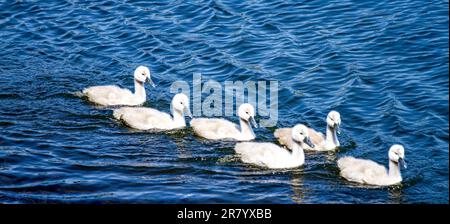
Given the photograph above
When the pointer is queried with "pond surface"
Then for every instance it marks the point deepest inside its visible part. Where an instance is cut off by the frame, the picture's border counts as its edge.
(382, 64)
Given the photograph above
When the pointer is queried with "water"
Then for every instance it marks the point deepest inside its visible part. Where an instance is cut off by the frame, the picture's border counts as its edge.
(383, 65)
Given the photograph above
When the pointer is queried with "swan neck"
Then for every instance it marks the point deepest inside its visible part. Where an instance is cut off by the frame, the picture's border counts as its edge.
(178, 118)
(394, 170)
(139, 89)
(331, 137)
(298, 153)
(246, 129)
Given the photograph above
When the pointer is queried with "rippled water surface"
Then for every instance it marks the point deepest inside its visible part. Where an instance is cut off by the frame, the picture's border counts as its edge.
(382, 64)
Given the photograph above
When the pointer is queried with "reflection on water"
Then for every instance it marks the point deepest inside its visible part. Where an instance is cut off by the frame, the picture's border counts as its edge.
(396, 194)
(298, 188)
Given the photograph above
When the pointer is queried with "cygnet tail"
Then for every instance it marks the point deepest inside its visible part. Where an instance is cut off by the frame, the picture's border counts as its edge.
(117, 113)
(345, 162)
(79, 93)
(85, 91)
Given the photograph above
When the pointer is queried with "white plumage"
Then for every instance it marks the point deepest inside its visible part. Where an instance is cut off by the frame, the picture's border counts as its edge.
(215, 129)
(273, 156)
(371, 173)
(143, 118)
(111, 95)
(321, 142)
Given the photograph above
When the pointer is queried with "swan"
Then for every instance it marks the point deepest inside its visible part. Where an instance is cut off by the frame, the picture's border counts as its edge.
(144, 118)
(328, 143)
(113, 95)
(371, 173)
(214, 128)
(273, 156)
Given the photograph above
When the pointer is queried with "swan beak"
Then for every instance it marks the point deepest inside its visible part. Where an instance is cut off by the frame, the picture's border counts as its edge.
(252, 119)
(338, 129)
(403, 162)
(308, 142)
(149, 80)
(188, 112)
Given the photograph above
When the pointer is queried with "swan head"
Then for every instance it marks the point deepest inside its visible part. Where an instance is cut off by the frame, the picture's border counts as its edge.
(397, 154)
(300, 134)
(180, 102)
(142, 74)
(334, 120)
(247, 113)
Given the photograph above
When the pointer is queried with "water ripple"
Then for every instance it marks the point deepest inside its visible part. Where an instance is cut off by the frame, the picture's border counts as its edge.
(383, 65)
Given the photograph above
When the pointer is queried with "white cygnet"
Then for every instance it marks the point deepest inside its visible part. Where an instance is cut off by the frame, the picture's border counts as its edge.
(113, 95)
(321, 142)
(371, 173)
(144, 118)
(273, 156)
(214, 128)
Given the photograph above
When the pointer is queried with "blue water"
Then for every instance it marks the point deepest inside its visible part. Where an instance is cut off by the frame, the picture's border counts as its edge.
(382, 64)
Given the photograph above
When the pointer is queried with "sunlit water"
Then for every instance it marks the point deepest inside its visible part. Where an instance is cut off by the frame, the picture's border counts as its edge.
(382, 64)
